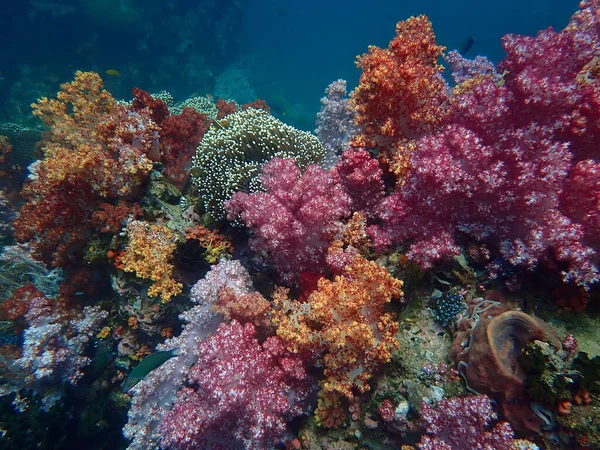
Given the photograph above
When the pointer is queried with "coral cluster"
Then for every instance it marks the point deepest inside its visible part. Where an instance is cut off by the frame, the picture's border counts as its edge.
(499, 166)
(461, 423)
(55, 341)
(346, 319)
(401, 93)
(149, 254)
(335, 121)
(233, 152)
(241, 392)
(294, 220)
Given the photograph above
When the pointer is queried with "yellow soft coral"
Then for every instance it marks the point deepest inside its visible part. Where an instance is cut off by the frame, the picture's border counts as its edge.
(346, 319)
(149, 254)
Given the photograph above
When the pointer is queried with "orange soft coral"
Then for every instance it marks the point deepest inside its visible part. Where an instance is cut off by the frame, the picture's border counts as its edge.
(246, 308)
(346, 319)
(400, 93)
(214, 243)
(94, 139)
(149, 254)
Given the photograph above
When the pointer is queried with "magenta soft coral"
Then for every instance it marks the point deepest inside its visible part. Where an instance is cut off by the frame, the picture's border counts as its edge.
(362, 179)
(295, 219)
(243, 392)
(498, 168)
(464, 423)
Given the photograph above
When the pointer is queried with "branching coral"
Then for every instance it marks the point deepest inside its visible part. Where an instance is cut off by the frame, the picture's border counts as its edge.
(94, 139)
(295, 218)
(242, 393)
(54, 342)
(464, 423)
(495, 166)
(149, 254)
(95, 149)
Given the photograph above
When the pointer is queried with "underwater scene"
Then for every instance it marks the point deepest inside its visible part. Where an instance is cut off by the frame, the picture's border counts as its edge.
(241, 224)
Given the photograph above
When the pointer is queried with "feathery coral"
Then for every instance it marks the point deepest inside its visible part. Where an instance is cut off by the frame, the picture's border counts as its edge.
(401, 93)
(149, 254)
(349, 322)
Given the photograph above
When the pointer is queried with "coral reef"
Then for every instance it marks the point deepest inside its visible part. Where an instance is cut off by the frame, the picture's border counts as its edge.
(232, 153)
(295, 218)
(149, 253)
(261, 306)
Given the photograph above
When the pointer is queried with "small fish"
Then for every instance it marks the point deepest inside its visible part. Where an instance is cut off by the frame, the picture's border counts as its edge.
(148, 364)
(467, 45)
(113, 73)
(210, 97)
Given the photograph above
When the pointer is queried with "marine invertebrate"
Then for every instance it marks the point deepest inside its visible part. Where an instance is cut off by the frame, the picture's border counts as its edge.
(400, 92)
(54, 221)
(241, 392)
(154, 396)
(94, 139)
(95, 150)
(215, 244)
(446, 307)
(362, 178)
(225, 108)
(55, 340)
(345, 319)
(179, 136)
(233, 151)
(464, 69)
(149, 253)
(203, 105)
(457, 171)
(295, 218)
(487, 347)
(497, 167)
(335, 121)
(109, 218)
(464, 422)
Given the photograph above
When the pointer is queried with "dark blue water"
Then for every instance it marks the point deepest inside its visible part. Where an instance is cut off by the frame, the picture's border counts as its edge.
(288, 51)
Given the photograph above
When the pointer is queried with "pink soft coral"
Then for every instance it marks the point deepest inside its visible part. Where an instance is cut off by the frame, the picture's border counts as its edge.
(295, 219)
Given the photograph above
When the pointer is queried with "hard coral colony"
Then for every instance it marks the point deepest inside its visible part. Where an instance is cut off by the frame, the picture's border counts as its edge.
(284, 282)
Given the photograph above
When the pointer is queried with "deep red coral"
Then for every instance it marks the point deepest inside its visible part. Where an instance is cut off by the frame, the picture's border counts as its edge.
(257, 104)
(179, 137)
(225, 108)
(142, 99)
(56, 222)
